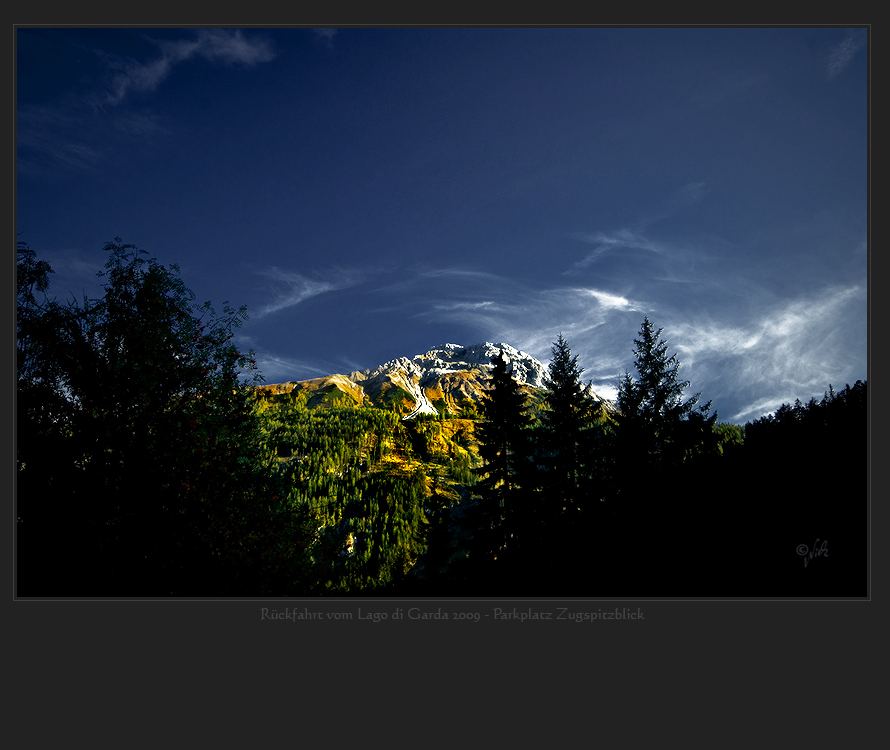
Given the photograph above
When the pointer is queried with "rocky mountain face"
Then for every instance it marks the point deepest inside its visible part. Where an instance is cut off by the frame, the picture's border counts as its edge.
(448, 378)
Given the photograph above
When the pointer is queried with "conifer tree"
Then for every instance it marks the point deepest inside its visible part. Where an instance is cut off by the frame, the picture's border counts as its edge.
(568, 424)
(657, 427)
(502, 445)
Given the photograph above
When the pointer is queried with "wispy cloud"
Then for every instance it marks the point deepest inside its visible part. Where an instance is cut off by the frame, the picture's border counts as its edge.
(290, 288)
(215, 45)
(491, 305)
(460, 278)
(622, 239)
(594, 320)
(682, 198)
(635, 237)
(77, 133)
(46, 135)
(606, 300)
(51, 140)
(842, 53)
(797, 347)
(748, 358)
(278, 369)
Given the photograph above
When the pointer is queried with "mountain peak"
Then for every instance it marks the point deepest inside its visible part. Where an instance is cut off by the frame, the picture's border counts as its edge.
(523, 367)
(447, 377)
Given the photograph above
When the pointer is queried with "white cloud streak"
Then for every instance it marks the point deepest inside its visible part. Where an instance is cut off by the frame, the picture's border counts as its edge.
(278, 369)
(623, 239)
(76, 134)
(290, 288)
(797, 348)
(215, 45)
(634, 238)
(842, 53)
(606, 300)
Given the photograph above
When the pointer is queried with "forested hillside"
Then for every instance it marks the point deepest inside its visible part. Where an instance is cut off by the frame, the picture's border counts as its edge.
(147, 466)
(376, 484)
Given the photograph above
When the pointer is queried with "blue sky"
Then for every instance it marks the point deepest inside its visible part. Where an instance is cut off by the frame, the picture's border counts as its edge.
(372, 193)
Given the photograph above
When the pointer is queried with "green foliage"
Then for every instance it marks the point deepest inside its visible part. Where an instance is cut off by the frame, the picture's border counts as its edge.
(329, 397)
(730, 437)
(141, 464)
(374, 482)
(396, 399)
(535, 403)
(468, 409)
(441, 408)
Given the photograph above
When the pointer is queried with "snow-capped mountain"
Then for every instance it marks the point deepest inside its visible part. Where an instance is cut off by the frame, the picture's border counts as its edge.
(447, 375)
(447, 378)
(451, 358)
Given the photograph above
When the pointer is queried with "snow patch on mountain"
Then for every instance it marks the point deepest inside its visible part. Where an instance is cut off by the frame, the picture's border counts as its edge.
(451, 358)
(437, 369)
(523, 367)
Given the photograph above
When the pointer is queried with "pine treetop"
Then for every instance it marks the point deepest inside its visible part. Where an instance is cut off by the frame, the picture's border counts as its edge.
(657, 394)
(567, 397)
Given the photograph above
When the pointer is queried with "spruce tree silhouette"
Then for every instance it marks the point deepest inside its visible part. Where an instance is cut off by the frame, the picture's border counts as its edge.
(568, 424)
(652, 411)
(571, 485)
(657, 432)
(503, 517)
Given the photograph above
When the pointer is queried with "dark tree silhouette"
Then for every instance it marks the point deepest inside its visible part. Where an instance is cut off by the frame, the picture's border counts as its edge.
(503, 446)
(811, 462)
(569, 432)
(658, 429)
(142, 469)
(656, 481)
